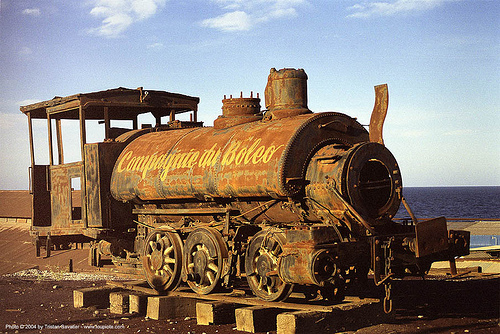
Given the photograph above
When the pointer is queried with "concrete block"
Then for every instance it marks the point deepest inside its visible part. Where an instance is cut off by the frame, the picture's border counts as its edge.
(119, 302)
(98, 297)
(138, 303)
(215, 313)
(299, 322)
(170, 307)
(256, 319)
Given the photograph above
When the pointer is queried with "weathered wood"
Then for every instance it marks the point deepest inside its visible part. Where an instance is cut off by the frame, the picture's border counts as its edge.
(119, 302)
(134, 286)
(238, 297)
(256, 319)
(215, 313)
(92, 297)
(301, 322)
(138, 303)
(169, 307)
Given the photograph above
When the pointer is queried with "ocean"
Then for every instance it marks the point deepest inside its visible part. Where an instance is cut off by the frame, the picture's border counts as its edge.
(480, 203)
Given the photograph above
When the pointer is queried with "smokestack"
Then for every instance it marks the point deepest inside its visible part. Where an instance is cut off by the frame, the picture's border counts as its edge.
(286, 92)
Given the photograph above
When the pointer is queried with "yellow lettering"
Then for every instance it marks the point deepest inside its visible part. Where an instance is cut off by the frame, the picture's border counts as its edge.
(159, 161)
(131, 163)
(239, 157)
(185, 160)
(257, 156)
(137, 166)
(193, 159)
(125, 157)
(270, 152)
(230, 154)
(236, 152)
(250, 150)
(207, 158)
(149, 165)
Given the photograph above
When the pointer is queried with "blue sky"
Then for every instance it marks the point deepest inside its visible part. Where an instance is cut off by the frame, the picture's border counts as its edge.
(440, 59)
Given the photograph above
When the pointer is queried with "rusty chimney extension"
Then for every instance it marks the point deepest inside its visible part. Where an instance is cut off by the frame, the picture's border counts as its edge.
(286, 92)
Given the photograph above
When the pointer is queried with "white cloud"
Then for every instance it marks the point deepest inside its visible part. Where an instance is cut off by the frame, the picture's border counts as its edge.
(118, 15)
(390, 8)
(32, 12)
(245, 14)
(233, 21)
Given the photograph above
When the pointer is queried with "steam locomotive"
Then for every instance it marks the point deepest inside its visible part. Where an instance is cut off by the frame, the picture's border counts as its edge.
(284, 198)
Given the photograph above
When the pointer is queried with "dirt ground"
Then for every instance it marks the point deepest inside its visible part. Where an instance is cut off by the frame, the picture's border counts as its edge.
(467, 305)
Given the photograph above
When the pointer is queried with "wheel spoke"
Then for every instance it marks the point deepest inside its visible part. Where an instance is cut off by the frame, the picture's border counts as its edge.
(169, 260)
(261, 283)
(212, 266)
(168, 250)
(168, 270)
(211, 277)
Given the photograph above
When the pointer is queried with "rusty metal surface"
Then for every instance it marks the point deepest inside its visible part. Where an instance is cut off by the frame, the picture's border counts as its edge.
(366, 174)
(431, 236)
(253, 159)
(286, 92)
(378, 114)
(102, 209)
(238, 111)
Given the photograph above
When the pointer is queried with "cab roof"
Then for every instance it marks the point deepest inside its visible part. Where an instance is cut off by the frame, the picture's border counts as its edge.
(122, 104)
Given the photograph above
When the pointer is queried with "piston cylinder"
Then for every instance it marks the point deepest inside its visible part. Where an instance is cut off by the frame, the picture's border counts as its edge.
(308, 256)
(307, 266)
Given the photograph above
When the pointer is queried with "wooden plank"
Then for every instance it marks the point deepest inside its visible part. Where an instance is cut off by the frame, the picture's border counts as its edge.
(256, 319)
(300, 322)
(138, 303)
(239, 297)
(134, 286)
(92, 297)
(169, 307)
(119, 302)
(215, 313)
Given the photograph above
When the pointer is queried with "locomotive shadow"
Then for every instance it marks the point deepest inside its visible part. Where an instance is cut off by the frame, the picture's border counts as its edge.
(479, 298)
(418, 301)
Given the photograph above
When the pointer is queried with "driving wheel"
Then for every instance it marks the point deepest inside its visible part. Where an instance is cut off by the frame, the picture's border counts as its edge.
(162, 260)
(261, 266)
(205, 254)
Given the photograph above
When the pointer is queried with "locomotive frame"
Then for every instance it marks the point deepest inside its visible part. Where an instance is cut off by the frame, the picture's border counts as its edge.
(286, 198)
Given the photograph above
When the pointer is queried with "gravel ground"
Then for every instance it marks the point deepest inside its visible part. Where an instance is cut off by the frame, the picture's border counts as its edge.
(35, 301)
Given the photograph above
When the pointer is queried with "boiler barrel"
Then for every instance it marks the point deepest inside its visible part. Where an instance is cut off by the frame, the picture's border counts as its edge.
(257, 159)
